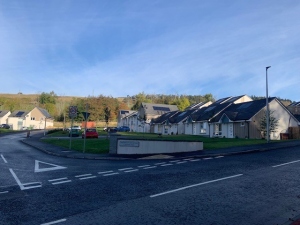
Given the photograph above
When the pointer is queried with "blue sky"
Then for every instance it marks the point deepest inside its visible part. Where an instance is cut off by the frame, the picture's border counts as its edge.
(120, 48)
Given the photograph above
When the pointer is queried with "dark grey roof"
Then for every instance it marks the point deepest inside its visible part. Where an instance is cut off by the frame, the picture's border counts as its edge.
(295, 104)
(18, 113)
(182, 116)
(45, 112)
(3, 112)
(243, 111)
(164, 117)
(195, 106)
(158, 109)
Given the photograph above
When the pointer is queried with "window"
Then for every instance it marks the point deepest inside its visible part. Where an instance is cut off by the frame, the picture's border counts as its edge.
(32, 118)
(218, 129)
(202, 128)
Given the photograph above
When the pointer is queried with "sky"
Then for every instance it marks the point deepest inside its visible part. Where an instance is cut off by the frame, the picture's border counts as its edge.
(125, 47)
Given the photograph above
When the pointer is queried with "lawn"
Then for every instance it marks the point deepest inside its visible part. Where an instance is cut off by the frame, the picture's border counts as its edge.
(101, 145)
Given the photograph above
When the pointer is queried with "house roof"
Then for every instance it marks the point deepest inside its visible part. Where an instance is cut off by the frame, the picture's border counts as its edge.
(44, 112)
(158, 109)
(243, 111)
(18, 113)
(163, 118)
(182, 116)
(295, 104)
(3, 112)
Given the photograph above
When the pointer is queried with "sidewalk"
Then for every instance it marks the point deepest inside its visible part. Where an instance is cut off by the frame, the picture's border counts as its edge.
(35, 142)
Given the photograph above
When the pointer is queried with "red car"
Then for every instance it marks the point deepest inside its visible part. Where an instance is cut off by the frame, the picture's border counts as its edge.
(90, 133)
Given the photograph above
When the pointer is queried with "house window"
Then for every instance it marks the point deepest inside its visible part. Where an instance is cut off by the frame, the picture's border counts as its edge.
(218, 129)
(202, 128)
(242, 124)
(32, 118)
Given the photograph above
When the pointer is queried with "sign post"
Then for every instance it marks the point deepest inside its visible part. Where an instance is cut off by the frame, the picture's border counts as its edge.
(72, 115)
(86, 116)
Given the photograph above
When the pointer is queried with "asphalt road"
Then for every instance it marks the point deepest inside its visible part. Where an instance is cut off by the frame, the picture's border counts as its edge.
(258, 188)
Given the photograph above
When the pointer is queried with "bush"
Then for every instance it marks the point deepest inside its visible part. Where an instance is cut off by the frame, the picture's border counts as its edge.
(54, 131)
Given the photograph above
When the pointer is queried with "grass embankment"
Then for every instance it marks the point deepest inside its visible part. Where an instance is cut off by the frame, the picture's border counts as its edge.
(5, 131)
(102, 145)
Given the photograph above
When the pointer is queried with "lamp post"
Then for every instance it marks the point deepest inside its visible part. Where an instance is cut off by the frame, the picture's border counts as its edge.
(267, 106)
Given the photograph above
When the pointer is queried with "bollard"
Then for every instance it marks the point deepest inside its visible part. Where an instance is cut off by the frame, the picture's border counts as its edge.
(28, 133)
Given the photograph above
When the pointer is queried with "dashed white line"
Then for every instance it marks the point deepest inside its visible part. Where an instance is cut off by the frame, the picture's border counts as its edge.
(22, 186)
(188, 159)
(195, 160)
(207, 158)
(143, 166)
(286, 163)
(84, 175)
(63, 178)
(151, 167)
(129, 171)
(181, 162)
(109, 171)
(54, 222)
(61, 182)
(84, 178)
(3, 192)
(130, 168)
(157, 164)
(167, 164)
(3, 158)
(217, 157)
(173, 161)
(109, 174)
(194, 185)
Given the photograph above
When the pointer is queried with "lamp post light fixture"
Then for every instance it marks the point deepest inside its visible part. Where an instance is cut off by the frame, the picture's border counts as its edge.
(267, 106)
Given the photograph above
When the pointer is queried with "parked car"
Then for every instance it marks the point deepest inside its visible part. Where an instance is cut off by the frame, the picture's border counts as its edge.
(5, 126)
(74, 128)
(90, 133)
(112, 129)
(74, 133)
(123, 129)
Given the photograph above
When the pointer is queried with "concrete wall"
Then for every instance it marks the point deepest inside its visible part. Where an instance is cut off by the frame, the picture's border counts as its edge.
(138, 146)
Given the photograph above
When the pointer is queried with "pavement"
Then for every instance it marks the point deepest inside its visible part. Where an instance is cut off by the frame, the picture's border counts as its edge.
(35, 141)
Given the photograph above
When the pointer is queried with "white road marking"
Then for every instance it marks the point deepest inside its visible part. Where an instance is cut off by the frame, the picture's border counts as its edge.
(151, 167)
(66, 151)
(109, 174)
(130, 168)
(63, 178)
(195, 160)
(129, 171)
(3, 158)
(84, 175)
(181, 162)
(188, 159)
(3, 192)
(143, 166)
(110, 171)
(22, 186)
(286, 163)
(221, 156)
(84, 178)
(54, 222)
(194, 185)
(157, 164)
(53, 167)
(61, 182)
(167, 164)
(173, 161)
(207, 158)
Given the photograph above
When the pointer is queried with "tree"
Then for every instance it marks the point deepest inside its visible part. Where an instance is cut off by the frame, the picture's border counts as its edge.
(273, 123)
(107, 115)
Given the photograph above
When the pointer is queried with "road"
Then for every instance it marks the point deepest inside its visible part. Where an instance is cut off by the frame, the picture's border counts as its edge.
(36, 188)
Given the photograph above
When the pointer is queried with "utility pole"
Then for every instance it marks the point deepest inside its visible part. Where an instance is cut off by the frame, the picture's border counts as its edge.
(267, 106)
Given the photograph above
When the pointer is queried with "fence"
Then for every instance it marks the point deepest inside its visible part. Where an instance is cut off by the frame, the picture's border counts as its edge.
(294, 132)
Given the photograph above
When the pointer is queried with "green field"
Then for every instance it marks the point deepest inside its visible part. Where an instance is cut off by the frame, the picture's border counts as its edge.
(101, 145)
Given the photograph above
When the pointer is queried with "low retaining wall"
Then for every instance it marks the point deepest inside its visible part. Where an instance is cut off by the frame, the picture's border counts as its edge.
(140, 146)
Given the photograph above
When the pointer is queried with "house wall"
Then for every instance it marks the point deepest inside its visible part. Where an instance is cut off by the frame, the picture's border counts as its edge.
(16, 123)
(188, 128)
(3, 119)
(245, 98)
(180, 128)
(241, 130)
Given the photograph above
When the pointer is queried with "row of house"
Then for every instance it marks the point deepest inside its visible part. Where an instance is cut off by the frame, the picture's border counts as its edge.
(231, 117)
(37, 118)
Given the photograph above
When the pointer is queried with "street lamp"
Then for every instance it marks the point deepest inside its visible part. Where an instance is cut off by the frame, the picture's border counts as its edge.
(267, 106)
